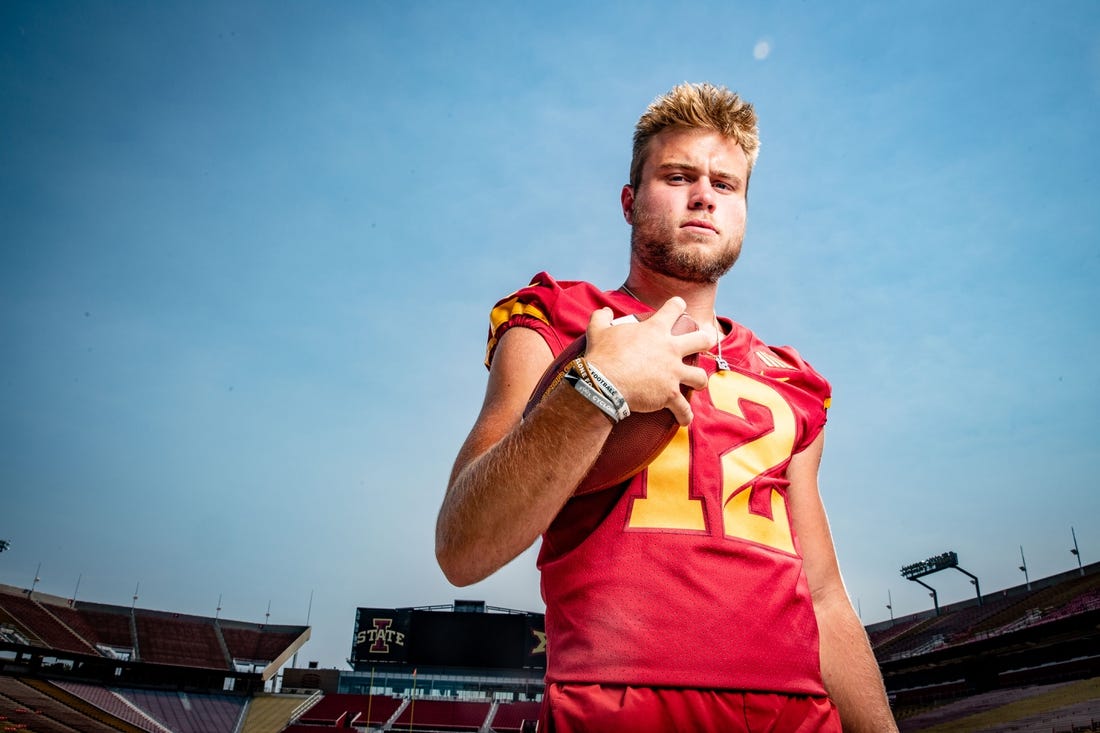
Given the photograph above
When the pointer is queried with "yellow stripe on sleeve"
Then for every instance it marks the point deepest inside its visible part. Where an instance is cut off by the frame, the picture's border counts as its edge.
(511, 308)
(505, 312)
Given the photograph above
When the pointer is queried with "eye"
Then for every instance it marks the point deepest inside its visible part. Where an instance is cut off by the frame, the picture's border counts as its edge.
(677, 178)
(727, 186)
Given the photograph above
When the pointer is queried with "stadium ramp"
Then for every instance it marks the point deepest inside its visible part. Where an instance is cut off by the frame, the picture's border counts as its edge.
(269, 712)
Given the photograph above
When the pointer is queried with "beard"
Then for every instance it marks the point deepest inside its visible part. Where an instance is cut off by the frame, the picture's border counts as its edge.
(653, 243)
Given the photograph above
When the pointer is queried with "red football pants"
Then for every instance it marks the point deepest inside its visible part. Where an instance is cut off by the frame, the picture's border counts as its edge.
(615, 708)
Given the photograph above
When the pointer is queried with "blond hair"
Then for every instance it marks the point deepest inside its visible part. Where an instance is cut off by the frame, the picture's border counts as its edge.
(700, 107)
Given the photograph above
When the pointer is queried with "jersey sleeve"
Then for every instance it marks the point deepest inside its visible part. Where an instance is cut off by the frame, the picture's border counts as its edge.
(557, 310)
(815, 392)
(528, 307)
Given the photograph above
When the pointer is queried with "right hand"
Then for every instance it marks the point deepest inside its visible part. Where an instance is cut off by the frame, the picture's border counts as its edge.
(645, 361)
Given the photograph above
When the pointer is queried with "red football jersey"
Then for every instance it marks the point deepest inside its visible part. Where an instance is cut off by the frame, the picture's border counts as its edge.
(688, 575)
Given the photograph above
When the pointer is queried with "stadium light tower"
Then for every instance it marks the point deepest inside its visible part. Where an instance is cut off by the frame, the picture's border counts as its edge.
(932, 592)
(943, 561)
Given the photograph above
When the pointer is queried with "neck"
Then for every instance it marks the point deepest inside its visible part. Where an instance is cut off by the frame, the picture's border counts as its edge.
(654, 289)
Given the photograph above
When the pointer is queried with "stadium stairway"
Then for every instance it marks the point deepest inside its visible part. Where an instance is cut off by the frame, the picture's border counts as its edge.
(111, 703)
(132, 620)
(35, 620)
(222, 646)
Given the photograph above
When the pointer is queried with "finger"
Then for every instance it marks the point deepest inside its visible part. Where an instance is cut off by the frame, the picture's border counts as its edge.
(601, 318)
(672, 309)
(696, 342)
(694, 377)
(681, 409)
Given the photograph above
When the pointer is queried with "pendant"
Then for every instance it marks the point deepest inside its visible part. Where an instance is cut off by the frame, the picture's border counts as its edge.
(720, 364)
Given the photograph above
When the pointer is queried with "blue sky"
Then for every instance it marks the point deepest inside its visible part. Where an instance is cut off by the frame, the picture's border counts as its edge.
(249, 250)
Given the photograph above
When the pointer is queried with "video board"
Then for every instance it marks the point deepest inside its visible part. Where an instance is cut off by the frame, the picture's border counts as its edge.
(448, 638)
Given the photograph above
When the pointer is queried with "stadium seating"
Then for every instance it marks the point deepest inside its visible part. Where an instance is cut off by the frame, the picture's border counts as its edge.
(380, 709)
(142, 635)
(881, 637)
(39, 622)
(1089, 601)
(111, 627)
(998, 614)
(340, 710)
(334, 710)
(188, 713)
(1061, 708)
(74, 703)
(937, 667)
(442, 715)
(106, 700)
(248, 643)
(510, 717)
(184, 642)
(23, 704)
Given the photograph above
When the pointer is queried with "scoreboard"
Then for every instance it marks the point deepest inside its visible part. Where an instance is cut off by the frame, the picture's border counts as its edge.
(411, 636)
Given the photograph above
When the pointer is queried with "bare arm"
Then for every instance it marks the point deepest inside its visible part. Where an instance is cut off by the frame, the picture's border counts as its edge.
(848, 665)
(512, 475)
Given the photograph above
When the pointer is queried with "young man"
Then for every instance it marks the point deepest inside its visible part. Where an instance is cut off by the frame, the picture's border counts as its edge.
(702, 594)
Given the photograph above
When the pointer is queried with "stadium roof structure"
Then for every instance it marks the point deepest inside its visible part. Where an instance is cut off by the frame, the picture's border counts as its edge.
(466, 606)
(140, 643)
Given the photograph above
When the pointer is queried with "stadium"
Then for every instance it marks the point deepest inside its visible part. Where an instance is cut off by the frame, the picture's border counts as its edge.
(251, 249)
(1025, 658)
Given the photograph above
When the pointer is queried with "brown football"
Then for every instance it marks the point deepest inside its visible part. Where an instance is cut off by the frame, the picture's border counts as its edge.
(634, 441)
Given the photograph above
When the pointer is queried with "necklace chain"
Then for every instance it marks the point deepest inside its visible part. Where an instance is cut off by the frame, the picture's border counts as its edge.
(722, 364)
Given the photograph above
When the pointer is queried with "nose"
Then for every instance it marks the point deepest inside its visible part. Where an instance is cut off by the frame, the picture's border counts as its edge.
(702, 195)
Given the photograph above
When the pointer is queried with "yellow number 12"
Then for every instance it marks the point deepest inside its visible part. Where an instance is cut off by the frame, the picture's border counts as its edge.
(669, 504)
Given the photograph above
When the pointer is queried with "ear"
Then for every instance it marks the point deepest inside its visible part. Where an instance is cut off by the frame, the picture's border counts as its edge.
(627, 199)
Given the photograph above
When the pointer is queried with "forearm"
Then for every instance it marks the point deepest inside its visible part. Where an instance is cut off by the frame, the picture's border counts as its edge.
(513, 475)
(850, 671)
(501, 498)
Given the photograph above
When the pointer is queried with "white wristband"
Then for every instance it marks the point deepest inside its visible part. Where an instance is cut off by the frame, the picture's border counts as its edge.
(622, 410)
(578, 379)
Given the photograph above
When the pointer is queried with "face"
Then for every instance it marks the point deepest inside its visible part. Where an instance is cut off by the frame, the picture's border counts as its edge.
(688, 212)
